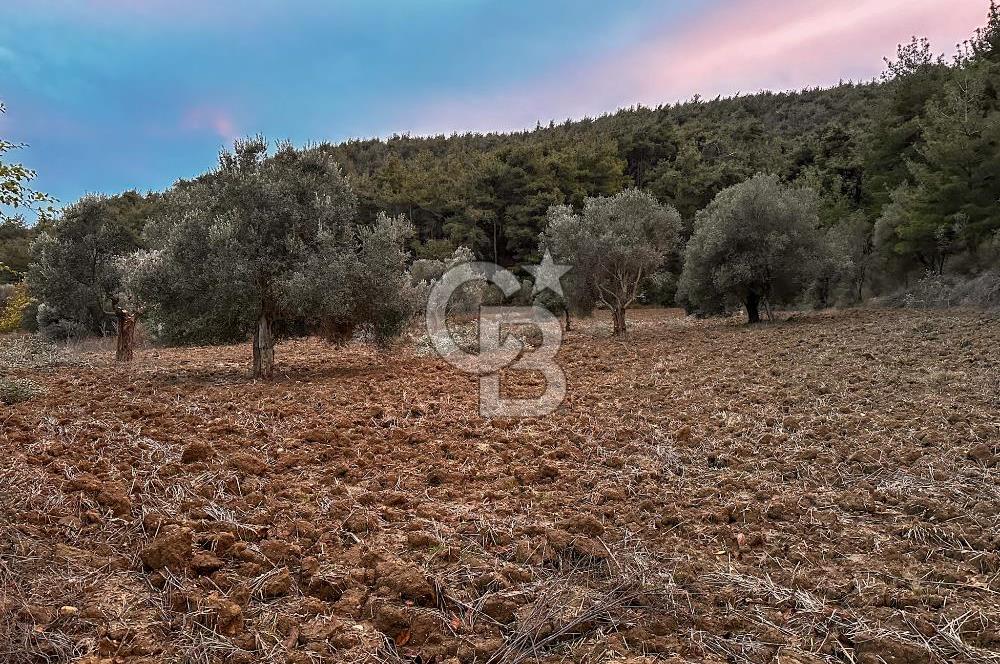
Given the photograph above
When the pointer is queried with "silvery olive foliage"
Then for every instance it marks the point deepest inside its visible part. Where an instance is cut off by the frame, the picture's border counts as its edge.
(756, 243)
(613, 244)
(355, 283)
(425, 273)
(272, 240)
(73, 272)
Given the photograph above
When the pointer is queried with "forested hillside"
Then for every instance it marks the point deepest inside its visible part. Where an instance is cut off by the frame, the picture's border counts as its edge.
(491, 191)
(916, 148)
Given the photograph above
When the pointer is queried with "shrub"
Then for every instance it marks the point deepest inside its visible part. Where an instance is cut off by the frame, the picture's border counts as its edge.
(467, 299)
(6, 292)
(14, 308)
(937, 291)
(14, 391)
(932, 291)
(981, 291)
(660, 289)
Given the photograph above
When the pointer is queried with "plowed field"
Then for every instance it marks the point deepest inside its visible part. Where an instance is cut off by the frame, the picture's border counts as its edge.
(822, 489)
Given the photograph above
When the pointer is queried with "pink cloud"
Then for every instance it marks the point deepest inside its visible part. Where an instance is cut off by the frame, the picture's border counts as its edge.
(738, 47)
(152, 8)
(210, 118)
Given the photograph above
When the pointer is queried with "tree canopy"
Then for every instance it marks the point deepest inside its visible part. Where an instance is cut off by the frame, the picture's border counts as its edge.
(613, 244)
(268, 240)
(756, 242)
(73, 271)
(905, 170)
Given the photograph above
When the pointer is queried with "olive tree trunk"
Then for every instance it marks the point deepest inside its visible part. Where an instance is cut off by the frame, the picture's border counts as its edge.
(618, 315)
(263, 348)
(126, 336)
(752, 303)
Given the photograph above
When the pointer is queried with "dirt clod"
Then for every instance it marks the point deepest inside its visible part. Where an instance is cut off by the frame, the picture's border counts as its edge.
(171, 549)
(196, 451)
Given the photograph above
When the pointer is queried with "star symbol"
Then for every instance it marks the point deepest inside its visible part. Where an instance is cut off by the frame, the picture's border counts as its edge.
(547, 275)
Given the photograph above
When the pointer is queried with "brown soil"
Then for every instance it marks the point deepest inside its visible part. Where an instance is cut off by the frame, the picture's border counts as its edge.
(823, 489)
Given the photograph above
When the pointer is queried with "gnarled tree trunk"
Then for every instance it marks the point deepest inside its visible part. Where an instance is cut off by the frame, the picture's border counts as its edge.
(618, 315)
(126, 336)
(752, 303)
(263, 347)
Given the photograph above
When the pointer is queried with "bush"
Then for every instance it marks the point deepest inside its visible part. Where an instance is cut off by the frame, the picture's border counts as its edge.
(6, 292)
(981, 291)
(425, 272)
(931, 292)
(13, 391)
(14, 308)
(54, 327)
(660, 290)
(935, 291)
(29, 319)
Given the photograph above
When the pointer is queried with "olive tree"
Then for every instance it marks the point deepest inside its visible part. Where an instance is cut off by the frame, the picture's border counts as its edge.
(756, 243)
(613, 244)
(73, 271)
(424, 273)
(269, 240)
(354, 282)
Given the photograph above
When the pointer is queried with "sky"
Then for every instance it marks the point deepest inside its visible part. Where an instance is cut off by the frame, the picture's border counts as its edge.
(112, 95)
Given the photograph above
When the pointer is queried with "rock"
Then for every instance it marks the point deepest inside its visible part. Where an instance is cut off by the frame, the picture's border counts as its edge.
(68, 611)
(171, 550)
(196, 451)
